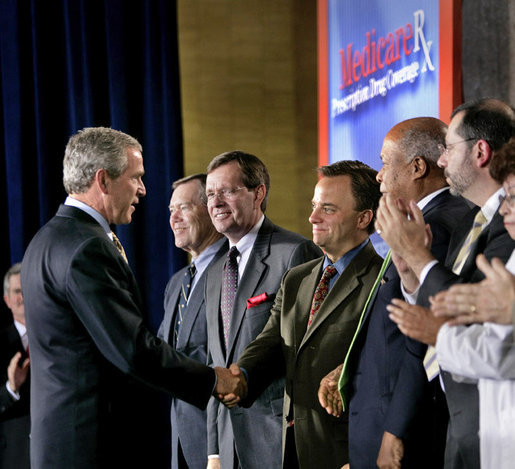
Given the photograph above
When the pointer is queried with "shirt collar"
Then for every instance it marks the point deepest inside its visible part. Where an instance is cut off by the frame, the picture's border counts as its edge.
(70, 201)
(205, 257)
(247, 242)
(491, 206)
(425, 200)
(342, 263)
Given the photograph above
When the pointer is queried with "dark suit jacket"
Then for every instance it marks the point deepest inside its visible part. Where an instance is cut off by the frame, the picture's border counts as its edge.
(14, 415)
(463, 398)
(188, 423)
(308, 355)
(390, 391)
(256, 432)
(87, 337)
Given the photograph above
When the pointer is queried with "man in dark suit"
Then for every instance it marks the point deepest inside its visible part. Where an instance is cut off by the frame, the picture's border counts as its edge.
(240, 290)
(477, 129)
(303, 344)
(184, 323)
(389, 399)
(85, 319)
(14, 366)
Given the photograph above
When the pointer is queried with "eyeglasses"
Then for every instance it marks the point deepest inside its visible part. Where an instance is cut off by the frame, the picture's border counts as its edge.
(224, 194)
(509, 199)
(449, 146)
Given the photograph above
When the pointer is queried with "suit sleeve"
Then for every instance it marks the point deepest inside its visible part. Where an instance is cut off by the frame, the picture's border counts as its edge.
(104, 296)
(304, 252)
(477, 351)
(497, 243)
(263, 358)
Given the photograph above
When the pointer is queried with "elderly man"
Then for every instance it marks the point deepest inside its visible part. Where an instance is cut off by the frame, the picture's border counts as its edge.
(15, 390)
(240, 291)
(85, 319)
(387, 394)
(477, 129)
(308, 333)
(184, 324)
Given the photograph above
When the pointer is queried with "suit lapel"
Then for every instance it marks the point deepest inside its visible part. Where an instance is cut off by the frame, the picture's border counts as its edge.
(172, 306)
(344, 286)
(213, 292)
(302, 306)
(255, 269)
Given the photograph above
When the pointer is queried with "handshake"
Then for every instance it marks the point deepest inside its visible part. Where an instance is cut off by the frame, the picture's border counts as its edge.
(231, 385)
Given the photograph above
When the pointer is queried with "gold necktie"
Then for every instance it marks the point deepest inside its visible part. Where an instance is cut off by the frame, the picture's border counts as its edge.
(430, 362)
(119, 246)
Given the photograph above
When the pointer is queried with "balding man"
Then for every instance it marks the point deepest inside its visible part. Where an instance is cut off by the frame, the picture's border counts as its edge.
(477, 129)
(388, 395)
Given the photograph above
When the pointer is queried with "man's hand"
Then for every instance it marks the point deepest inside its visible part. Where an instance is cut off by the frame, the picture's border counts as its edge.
(328, 394)
(490, 300)
(415, 321)
(231, 386)
(403, 228)
(391, 452)
(16, 374)
(213, 463)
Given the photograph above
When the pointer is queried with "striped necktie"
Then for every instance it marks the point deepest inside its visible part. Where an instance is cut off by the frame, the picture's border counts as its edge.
(430, 362)
(184, 296)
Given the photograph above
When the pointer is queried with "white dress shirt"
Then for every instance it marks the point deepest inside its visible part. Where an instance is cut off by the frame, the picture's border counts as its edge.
(486, 353)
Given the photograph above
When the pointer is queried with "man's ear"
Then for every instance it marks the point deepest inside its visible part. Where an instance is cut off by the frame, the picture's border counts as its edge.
(420, 167)
(364, 219)
(101, 178)
(484, 153)
(260, 192)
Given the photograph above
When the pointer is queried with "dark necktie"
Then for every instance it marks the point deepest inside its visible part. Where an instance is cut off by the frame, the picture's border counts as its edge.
(229, 289)
(183, 299)
(119, 246)
(321, 291)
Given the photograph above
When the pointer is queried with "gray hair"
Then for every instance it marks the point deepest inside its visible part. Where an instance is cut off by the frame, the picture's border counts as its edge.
(424, 137)
(15, 269)
(91, 149)
(201, 178)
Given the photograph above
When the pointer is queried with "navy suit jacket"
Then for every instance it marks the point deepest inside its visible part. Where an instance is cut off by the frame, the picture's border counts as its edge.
(256, 432)
(88, 345)
(14, 415)
(188, 423)
(463, 398)
(390, 391)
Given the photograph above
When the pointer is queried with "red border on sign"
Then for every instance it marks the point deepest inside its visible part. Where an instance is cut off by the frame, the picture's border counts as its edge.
(450, 75)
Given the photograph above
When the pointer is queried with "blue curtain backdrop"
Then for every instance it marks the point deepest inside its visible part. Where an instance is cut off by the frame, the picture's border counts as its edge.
(69, 64)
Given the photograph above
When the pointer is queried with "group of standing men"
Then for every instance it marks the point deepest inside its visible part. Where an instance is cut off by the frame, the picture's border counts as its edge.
(289, 340)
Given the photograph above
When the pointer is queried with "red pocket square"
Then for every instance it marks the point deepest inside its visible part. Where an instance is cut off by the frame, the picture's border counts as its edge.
(257, 300)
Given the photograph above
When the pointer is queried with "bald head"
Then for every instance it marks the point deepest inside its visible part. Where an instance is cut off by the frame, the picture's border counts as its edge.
(409, 154)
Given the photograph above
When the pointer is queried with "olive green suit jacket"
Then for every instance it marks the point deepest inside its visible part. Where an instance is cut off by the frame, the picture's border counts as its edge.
(305, 355)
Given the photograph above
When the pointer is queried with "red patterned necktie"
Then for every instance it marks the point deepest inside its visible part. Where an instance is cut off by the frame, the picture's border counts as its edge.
(229, 289)
(321, 291)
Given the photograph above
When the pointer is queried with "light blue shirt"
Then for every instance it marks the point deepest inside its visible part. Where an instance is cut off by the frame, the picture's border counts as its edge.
(342, 263)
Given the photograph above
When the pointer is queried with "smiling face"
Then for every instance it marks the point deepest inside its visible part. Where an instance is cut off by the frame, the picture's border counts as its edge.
(233, 215)
(457, 160)
(14, 298)
(189, 218)
(123, 193)
(507, 209)
(335, 222)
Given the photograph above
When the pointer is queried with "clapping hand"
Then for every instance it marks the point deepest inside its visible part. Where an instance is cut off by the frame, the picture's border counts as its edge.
(231, 386)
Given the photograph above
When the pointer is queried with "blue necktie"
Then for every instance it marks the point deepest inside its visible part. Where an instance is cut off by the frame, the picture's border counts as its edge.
(183, 299)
